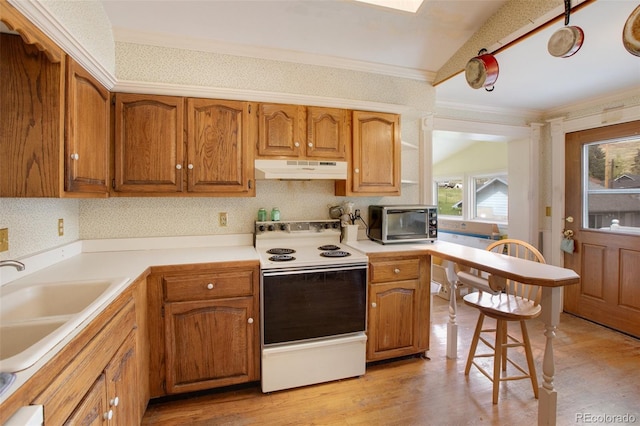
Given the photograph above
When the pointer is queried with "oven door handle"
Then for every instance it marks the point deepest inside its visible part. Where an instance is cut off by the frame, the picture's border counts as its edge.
(312, 269)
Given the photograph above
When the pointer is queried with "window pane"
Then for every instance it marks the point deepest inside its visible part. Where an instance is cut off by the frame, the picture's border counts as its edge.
(450, 197)
(612, 200)
(491, 198)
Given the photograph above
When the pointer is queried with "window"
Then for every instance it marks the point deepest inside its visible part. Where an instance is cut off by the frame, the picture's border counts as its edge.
(489, 197)
(449, 197)
(612, 182)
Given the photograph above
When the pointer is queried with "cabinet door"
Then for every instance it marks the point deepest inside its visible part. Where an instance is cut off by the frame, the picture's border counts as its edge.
(86, 132)
(375, 159)
(122, 384)
(393, 319)
(210, 344)
(280, 130)
(92, 411)
(149, 140)
(31, 129)
(327, 133)
(219, 154)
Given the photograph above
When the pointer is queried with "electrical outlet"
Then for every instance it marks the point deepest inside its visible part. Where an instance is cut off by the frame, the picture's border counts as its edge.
(223, 219)
(60, 227)
(4, 239)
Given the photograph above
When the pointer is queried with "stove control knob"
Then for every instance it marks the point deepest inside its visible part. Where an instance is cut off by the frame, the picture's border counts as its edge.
(271, 228)
(261, 228)
(283, 226)
(327, 225)
(335, 225)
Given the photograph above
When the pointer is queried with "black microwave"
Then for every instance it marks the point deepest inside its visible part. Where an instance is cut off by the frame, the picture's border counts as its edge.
(403, 223)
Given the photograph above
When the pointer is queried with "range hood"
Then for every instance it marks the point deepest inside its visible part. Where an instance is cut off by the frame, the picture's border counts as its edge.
(301, 169)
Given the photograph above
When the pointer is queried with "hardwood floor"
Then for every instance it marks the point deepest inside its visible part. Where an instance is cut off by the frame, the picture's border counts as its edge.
(597, 373)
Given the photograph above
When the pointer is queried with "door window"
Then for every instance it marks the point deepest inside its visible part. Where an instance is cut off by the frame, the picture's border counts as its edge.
(611, 177)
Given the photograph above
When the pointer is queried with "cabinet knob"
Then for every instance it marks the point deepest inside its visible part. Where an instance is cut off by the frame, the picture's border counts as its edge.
(310, 145)
(114, 402)
(190, 166)
(296, 144)
(373, 304)
(396, 271)
(356, 171)
(178, 166)
(75, 156)
(210, 286)
(250, 320)
(108, 415)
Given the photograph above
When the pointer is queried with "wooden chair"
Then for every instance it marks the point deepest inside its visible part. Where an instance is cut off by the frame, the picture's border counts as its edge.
(505, 301)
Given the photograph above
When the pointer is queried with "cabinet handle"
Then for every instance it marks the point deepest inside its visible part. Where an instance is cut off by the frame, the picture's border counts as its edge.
(75, 156)
(296, 144)
(114, 402)
(373, 304)
(108, 415)
(178, 166)
(356, 171)
(190, 166)
(250, 320)
(396, 271)
(210, 286)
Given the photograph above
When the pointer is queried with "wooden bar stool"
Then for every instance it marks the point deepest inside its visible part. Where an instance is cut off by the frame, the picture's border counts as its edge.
(505, 301)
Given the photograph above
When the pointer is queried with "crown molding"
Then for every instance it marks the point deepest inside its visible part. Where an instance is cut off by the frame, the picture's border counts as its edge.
(168, 89)
(614, 97)
(212, 46)
(521, 113)
(40, 16)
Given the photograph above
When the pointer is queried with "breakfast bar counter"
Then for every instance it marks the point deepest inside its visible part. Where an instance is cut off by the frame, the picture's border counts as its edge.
(549, 277)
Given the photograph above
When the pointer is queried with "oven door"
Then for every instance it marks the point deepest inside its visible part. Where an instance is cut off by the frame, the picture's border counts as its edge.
(313, 303)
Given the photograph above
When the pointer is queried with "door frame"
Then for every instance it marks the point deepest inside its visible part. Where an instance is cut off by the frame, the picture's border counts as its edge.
(559, 127)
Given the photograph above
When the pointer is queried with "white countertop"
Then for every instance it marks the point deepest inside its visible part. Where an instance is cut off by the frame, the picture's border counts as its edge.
(104, 259)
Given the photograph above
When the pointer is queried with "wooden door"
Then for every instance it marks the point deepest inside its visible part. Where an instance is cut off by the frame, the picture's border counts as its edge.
(280, 130)
(219, 151)
(93, 410)
(122, 384)
(327, 133)
(393, 319)
(607, 259)
(87, 130)
(149, 143)
(375, 161)
(209, 344)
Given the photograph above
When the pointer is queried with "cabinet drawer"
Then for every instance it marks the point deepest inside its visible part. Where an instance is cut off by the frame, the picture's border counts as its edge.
(208, 286)
(394, 270)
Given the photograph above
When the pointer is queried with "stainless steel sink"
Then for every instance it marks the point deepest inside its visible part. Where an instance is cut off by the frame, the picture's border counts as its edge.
(34, 318)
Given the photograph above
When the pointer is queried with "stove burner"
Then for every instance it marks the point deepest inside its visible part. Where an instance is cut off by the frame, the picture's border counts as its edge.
(281, 258)
(338, 253)
(328, 247)
(281, 251)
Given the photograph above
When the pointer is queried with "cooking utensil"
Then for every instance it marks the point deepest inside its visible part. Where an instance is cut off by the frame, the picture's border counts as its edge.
(568, 40)
(482, 71)
(631, 33)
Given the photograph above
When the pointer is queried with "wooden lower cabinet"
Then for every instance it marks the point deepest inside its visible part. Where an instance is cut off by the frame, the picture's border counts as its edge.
(204, 328)
(112, 399)
(399, 305)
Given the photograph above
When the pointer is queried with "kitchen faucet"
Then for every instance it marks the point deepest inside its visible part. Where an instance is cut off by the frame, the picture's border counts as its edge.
(18, 265)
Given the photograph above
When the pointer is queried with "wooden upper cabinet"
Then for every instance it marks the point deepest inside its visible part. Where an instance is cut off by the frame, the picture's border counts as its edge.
(327, 133)
(375, 156)
(87, 130)
(281, 130)
(295, 131)
(149, 143)
(31, 121)
(219, 148)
